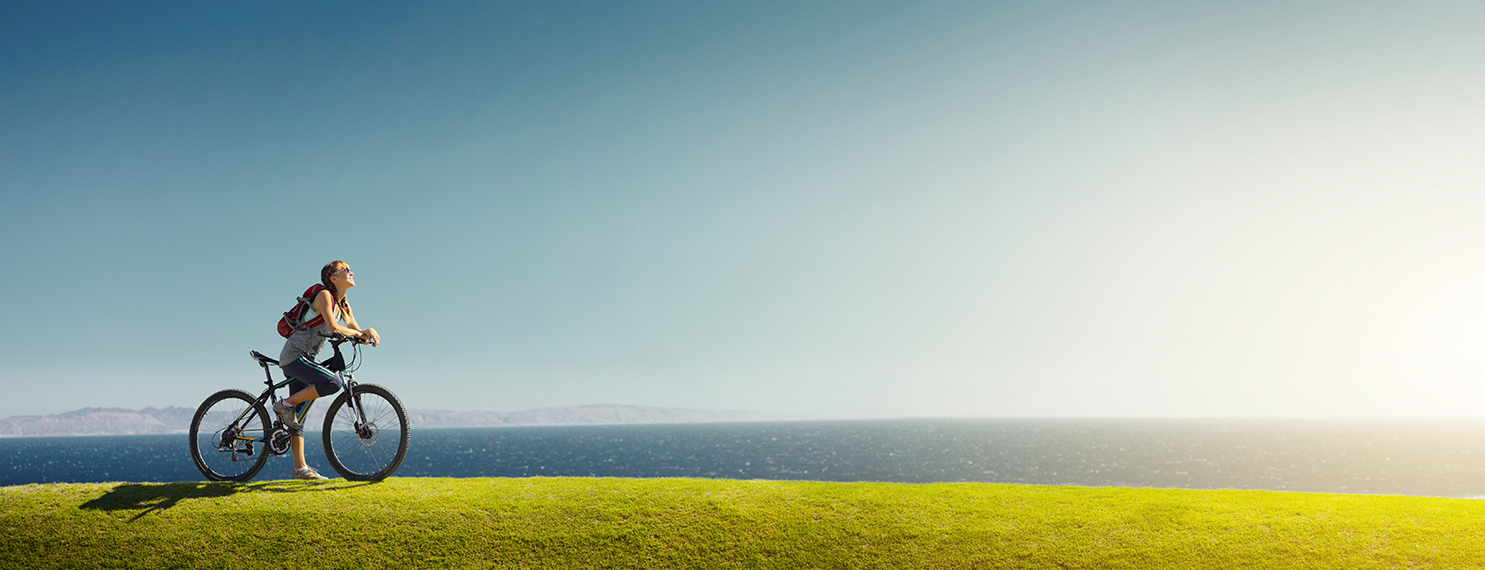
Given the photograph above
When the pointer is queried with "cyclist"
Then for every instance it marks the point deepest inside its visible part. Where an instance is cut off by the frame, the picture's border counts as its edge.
(298, 356)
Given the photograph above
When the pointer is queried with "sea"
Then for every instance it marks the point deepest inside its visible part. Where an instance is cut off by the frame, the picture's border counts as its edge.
(1440, 458)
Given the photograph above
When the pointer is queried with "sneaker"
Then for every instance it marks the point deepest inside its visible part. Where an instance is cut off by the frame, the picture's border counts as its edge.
(286, 414)
(309, 473)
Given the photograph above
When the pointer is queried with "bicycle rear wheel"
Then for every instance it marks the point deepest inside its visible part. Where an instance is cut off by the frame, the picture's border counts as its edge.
(229, 436)
(370, 450)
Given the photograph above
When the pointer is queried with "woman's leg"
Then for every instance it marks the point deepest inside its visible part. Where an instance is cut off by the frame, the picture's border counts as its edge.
(308, 393)
(296, 443)
(316, 381)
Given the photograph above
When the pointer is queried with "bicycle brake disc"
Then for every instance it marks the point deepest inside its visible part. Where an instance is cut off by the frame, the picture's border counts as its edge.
(368, 433)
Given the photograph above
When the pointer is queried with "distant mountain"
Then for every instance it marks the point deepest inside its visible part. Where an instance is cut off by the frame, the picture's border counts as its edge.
(100, 421)
(118, 421)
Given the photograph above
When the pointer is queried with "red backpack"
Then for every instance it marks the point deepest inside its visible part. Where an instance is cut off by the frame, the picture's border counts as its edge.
(293, 319)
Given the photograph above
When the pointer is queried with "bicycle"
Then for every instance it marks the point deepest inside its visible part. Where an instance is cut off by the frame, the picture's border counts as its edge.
(365, 432)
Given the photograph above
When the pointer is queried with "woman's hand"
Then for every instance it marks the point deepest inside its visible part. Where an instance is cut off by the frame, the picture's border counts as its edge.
(369, 335)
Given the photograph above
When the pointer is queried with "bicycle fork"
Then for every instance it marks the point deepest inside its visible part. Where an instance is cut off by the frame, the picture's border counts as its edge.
(353, 401)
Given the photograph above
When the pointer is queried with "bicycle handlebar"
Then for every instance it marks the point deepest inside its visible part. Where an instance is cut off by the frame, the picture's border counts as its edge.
(337, 338)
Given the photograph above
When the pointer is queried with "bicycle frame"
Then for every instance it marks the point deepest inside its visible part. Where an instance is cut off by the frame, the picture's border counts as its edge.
(266, 397)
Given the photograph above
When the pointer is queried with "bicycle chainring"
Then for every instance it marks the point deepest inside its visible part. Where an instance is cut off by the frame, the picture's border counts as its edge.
(278, 443)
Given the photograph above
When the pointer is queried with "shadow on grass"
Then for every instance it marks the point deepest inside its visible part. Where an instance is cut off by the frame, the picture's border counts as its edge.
(154, 497)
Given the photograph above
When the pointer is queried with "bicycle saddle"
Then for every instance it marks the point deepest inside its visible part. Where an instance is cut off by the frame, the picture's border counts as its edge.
(263, 361)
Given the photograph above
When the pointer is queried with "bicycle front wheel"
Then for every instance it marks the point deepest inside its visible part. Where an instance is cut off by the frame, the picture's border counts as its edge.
(368, 450)
(229, 436)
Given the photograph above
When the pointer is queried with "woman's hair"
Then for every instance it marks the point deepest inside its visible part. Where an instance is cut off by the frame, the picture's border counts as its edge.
(329, 270)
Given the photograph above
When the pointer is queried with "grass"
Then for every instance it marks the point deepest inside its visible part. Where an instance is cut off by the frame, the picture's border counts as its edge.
(704, 523)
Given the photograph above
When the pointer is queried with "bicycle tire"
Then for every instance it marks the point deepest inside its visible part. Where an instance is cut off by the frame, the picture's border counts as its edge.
(375, 451)
(216, 416)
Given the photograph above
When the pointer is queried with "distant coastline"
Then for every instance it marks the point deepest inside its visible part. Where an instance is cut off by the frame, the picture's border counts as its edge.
(175, 419)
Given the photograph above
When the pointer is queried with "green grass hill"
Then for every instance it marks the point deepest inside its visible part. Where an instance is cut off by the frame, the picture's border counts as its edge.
(704, 523)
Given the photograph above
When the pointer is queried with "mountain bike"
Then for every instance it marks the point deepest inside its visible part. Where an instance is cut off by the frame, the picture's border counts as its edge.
(365, 433)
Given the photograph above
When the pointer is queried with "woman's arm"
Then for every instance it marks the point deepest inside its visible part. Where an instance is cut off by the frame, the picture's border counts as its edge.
(324, 306)
(367, 333)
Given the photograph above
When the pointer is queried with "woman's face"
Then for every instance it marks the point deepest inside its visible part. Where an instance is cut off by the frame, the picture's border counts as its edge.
(343, 279)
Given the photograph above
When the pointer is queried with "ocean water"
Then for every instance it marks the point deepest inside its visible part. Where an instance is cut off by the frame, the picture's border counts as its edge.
(1443, 458)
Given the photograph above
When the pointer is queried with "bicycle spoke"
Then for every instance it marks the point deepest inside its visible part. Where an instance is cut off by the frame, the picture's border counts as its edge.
(229, 437)
(377, 447)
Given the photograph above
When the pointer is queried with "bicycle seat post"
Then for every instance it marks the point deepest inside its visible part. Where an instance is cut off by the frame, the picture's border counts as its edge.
(264, 361)
(268, 379)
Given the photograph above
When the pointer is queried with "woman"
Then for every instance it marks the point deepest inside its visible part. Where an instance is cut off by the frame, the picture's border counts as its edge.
(297, 359)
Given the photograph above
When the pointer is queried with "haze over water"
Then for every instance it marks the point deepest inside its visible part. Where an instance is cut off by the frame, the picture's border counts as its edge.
(1414, 457)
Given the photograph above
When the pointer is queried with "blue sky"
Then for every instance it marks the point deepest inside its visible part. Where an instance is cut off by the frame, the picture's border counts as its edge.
(824, 208)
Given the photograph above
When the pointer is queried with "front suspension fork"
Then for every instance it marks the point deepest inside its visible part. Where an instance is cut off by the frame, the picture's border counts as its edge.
(354, 401)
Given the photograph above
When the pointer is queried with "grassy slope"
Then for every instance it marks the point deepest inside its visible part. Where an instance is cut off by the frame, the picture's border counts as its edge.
(701, 523)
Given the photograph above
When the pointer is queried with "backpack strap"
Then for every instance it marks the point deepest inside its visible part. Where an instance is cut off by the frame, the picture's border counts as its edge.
(307, 304)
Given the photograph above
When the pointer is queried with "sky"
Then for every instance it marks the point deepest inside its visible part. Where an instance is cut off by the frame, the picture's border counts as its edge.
(830, 209)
